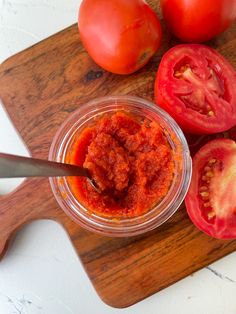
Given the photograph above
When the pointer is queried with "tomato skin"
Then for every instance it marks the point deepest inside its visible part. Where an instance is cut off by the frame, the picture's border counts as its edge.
(197, 21)
(221, 190)
(120, 36)
(207, 80)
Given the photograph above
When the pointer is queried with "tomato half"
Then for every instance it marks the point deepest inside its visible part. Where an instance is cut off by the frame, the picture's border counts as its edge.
(211, 199)
(197, 86)
(198, 20)
(120, 35)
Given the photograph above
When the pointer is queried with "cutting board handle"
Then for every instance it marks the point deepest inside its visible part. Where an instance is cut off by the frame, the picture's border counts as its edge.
(27, 203)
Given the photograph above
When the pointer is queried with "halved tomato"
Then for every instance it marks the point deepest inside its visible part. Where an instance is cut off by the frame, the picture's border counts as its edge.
(197, 86)
(211, 199)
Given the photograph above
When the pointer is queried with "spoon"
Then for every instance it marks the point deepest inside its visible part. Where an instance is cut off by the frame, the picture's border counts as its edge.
(12, 166)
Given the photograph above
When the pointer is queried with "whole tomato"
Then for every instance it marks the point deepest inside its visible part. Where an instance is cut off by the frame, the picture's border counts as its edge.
(198, 20)
(120, 35)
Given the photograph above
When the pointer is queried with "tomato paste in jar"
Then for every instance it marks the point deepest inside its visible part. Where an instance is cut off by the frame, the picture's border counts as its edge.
(130, 161)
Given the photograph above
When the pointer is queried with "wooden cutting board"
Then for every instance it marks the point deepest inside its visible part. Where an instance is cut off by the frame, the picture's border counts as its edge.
(39, 88)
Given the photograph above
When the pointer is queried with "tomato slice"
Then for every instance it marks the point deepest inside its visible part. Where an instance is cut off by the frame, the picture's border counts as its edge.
(197, 86)
(211, 199)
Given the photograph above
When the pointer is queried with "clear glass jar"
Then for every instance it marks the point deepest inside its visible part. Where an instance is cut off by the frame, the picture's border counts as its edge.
(142, 109)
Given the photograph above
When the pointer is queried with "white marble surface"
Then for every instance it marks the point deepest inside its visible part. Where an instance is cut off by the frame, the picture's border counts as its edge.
(41, 273)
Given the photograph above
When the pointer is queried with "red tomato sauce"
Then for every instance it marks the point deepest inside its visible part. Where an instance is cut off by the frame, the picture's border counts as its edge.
(130, 161)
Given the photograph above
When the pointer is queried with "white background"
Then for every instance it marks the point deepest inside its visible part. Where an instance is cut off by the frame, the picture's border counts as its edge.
(41, 273)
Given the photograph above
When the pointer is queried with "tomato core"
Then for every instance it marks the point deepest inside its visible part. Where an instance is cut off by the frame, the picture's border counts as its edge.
(206, 84)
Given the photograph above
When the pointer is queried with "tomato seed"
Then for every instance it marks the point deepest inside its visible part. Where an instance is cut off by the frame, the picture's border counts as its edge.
(211, 214)
(209, 174)
(206, 204)
(212, 161)
(203, 188)
(210, 113)
(177, 74)
(204, 194)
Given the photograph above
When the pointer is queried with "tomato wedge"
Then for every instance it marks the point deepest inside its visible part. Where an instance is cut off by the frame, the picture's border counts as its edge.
(211, 199)
(197, 86)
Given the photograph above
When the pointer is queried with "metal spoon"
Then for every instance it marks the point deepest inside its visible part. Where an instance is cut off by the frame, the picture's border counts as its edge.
(12, 166)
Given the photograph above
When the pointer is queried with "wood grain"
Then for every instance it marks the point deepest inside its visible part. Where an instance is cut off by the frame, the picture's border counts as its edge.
(39, 88)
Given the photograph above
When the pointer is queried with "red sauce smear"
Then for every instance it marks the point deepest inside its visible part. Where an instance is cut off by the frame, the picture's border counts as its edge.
(130, 161)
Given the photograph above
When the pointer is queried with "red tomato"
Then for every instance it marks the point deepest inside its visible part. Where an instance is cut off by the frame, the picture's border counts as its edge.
(120, 35)
(211, 199)
(197, 86)
(198, 20)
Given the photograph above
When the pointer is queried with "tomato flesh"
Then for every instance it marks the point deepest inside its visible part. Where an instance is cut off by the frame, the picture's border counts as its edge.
(198, 20)
(120, 36)
(197, 86)
(211, 199)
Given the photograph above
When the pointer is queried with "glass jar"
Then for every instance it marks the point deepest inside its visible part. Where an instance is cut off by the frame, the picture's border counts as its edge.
(142, 109)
